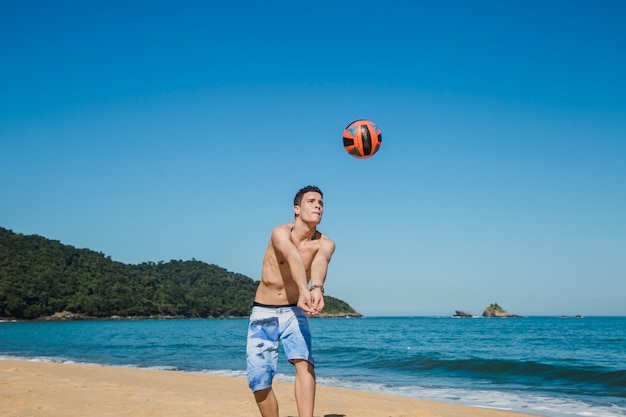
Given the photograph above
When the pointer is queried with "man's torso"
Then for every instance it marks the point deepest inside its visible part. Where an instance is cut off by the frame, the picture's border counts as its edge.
(277, 286)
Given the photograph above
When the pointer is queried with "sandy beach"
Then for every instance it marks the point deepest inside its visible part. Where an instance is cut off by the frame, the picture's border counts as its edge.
(32, 389)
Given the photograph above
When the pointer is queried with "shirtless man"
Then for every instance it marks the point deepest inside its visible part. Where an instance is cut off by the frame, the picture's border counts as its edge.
(297, 254)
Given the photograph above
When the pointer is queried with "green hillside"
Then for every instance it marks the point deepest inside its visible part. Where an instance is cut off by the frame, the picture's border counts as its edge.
(40, 277)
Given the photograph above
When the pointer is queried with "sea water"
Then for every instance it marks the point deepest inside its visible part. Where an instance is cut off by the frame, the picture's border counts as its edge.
(548, 366)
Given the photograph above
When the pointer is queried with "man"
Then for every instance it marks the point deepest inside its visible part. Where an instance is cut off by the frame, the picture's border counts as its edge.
(297, 254)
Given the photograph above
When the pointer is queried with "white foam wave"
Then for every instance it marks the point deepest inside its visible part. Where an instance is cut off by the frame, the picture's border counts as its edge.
(492, 399)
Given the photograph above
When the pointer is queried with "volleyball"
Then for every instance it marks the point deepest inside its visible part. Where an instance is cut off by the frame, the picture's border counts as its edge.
(362, 139)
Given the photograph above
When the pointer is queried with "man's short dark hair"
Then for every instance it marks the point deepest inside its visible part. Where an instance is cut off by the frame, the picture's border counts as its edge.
(298, 198)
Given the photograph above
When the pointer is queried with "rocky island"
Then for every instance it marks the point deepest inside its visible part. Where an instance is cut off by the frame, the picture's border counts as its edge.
(493, 310)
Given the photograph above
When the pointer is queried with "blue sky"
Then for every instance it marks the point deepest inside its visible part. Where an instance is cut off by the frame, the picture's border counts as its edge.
(159, 130)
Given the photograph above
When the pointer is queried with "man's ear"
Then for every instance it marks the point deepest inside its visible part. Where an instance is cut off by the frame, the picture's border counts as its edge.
(296, 210)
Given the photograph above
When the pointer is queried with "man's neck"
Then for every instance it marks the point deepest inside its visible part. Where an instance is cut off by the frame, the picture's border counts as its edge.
(303, 231)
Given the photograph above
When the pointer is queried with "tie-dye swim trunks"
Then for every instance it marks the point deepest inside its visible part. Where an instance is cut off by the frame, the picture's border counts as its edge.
(269, 326)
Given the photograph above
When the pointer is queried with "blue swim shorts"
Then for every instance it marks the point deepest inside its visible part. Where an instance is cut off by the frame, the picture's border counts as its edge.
(270, 326)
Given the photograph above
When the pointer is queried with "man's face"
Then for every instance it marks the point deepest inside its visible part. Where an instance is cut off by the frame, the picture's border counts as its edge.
(311, 208)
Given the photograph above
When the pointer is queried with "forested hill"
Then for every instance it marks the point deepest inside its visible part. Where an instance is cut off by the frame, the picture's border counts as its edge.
(40, 278)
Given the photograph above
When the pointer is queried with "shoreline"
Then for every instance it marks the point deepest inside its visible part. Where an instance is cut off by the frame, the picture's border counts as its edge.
(30, 388)
(69, 317)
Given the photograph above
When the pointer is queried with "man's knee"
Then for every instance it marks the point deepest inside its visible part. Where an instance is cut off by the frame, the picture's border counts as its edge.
(302, 365)
(262, 394)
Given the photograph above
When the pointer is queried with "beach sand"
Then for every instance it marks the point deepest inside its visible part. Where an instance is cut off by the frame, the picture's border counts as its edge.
(33, 389)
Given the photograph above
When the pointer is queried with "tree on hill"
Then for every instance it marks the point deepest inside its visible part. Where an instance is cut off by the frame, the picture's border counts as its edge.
(40, 277)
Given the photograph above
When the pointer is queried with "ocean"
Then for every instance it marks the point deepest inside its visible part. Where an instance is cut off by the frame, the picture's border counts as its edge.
(547, 366)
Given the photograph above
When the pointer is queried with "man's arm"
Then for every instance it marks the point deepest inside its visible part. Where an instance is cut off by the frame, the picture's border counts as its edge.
(281, 240)
(319, 269)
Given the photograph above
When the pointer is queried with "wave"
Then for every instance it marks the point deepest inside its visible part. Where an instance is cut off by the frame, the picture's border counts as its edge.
(522, 402)
(591, 378)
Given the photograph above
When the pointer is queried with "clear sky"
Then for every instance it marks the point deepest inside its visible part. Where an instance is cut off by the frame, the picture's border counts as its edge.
(160, 130)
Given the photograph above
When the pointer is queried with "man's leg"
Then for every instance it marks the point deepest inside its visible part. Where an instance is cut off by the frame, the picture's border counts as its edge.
(262, 358)
(266, 400)
(304, 387)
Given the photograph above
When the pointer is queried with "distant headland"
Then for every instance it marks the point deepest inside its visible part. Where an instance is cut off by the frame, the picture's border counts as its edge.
(43, 279)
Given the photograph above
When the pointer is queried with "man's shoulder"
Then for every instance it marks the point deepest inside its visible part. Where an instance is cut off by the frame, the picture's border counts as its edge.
(287, 227)
(282, 230)
(326, 241)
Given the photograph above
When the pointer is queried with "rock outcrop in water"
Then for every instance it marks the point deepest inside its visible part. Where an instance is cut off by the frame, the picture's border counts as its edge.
(494, 310)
